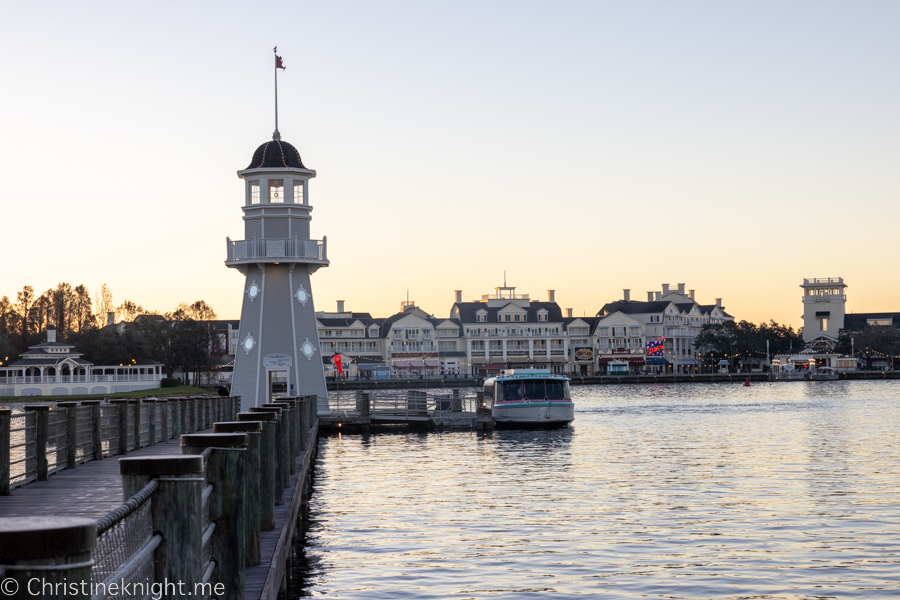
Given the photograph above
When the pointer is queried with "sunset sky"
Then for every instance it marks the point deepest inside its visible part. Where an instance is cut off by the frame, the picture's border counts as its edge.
(584, 147)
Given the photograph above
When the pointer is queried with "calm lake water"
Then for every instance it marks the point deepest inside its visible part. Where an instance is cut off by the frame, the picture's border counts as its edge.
(779, 490)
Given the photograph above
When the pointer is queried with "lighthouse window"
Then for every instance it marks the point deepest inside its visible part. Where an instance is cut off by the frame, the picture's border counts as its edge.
(298, 192)
(276, 191)
(254, 192)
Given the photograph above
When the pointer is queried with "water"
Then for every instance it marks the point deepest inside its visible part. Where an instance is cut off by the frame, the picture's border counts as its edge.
(780, 490)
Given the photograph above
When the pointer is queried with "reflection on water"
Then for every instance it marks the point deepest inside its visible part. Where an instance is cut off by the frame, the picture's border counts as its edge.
(784, 490)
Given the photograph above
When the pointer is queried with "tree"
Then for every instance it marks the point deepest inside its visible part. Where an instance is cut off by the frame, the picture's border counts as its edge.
(24, 300)
(40, 318)
(198, 311)
(128, 310)
(744, 340)
(104, 304)
(8, 318)
(872, 341)
(82, 311)
(62, 299)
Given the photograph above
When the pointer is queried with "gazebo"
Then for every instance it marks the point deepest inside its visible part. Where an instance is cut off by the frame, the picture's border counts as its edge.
(58, 369)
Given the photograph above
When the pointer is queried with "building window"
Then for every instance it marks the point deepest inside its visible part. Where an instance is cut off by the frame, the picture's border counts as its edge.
(542, 317)
(481, 317)
(276, 191)
(823, 323)
(254, 192)
(412, 334)
(298, 192)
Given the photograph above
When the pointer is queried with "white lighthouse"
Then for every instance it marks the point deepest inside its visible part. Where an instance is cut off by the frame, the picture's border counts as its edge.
(279, 339)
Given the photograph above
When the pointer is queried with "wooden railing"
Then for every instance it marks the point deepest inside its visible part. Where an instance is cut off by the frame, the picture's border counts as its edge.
(42, 439)
(195, 518)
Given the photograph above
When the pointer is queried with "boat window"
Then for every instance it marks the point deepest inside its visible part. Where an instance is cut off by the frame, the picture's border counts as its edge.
(556, 390)
(512, 390)
(534, 389)
(568, 395)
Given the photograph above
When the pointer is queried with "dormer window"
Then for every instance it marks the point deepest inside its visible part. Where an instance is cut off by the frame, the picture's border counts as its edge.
(254, 192)
(276, 191)
(542, 316)
(481, 317)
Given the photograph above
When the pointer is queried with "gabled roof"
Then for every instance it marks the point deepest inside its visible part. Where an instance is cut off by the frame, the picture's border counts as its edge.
(468, 310)
(633, 307)
(53, 345)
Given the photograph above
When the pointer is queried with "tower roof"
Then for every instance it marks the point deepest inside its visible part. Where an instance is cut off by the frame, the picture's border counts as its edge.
(276, 154)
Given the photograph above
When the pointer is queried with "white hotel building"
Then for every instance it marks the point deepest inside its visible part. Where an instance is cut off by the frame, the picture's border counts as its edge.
(507, 329)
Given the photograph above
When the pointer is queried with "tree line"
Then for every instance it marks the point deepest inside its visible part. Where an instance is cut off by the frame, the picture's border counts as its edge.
(744, 340)
(176, 339)
(734, 341)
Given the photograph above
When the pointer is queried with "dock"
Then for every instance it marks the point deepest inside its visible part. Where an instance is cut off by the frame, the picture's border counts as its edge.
(146, 491)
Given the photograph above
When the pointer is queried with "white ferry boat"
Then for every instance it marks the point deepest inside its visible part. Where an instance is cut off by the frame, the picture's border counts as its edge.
(521, 398)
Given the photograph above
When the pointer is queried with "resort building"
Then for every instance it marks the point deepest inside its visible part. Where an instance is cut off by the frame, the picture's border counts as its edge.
(668, 321)
(509, 330)
(58, 369)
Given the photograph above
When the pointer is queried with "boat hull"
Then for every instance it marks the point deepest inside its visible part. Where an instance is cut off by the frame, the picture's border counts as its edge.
(543, 415)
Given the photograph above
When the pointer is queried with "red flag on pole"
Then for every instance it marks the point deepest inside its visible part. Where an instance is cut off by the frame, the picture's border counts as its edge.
(278, 63)
(337, 363)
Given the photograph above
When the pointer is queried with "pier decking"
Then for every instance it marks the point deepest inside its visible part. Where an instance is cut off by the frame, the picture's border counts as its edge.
(143, 519)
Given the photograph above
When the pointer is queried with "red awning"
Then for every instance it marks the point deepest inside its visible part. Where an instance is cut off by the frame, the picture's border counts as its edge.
(401, 364)
(417, 363)
(432, 362)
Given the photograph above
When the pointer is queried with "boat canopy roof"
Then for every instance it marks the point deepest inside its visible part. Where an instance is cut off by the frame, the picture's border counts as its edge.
(526, 375)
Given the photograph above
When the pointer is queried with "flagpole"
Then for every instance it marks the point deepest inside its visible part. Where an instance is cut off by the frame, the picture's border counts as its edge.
(276, 135)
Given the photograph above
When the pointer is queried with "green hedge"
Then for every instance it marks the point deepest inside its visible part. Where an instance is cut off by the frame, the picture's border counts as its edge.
(169, 382)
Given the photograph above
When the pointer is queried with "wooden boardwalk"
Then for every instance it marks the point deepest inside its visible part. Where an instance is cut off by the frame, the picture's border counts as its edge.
(263, 581)
(89, 490)
(94, 489)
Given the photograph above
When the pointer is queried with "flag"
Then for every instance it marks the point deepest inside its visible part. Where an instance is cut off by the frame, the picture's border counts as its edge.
(278, 63)
(337, 363)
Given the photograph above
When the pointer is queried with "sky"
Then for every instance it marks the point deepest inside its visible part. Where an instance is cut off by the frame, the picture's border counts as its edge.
(584, 147)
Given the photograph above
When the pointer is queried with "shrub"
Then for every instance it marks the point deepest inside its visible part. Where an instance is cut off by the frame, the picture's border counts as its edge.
(169, 382)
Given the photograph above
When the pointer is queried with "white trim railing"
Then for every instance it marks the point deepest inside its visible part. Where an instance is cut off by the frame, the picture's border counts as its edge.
(292, 248)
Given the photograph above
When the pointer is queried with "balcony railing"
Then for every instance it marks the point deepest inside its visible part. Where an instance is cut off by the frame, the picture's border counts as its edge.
(275, 249)
(79, 378)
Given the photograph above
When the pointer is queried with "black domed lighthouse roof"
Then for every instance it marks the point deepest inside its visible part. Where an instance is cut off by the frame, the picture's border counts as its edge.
(276, 154)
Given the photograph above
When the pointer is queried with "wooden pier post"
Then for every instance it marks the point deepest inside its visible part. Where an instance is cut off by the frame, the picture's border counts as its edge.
(283, 450)
(225, 469)
(288, 429)
(96, 429)
(135, 406)
(42, 429)
(71, 431)
(253, 429)
(162, 405)
(121, 426)
(303, 410)
(150, 407)
(175, 509)
(55, 551)
(269, 489)
(5, 425)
